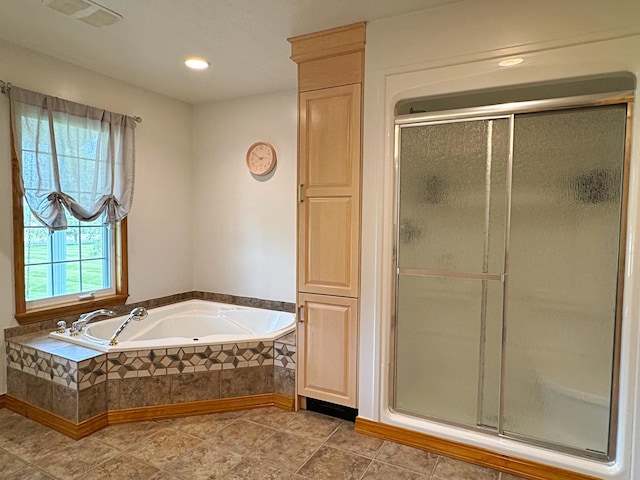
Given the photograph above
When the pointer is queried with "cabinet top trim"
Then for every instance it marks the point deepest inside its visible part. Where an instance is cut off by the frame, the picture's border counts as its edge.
(335, 41)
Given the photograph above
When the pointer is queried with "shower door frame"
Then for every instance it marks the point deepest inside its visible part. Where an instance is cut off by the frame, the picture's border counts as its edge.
(508, 111)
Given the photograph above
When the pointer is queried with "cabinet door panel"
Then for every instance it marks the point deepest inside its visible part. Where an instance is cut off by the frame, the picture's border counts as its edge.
(330, 137)
(327, 349)
(329, 248)
(329, 172)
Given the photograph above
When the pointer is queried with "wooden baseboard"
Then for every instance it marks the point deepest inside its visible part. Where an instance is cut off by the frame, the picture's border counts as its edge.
(175, 410)
(155, 412)
(56, 422)
(468, 453)
(284, 402)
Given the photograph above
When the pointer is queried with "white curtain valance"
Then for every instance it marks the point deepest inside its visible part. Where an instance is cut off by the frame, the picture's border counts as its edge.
(72, 156)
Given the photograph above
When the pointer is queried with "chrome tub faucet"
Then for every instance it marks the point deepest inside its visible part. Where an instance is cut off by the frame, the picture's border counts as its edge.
(78, 326)
(137, 314)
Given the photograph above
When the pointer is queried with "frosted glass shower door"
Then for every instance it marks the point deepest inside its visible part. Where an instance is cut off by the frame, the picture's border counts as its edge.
(450, 262)
(564, 260)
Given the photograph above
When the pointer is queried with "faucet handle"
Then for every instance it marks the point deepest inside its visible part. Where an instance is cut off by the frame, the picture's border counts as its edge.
(62, 326)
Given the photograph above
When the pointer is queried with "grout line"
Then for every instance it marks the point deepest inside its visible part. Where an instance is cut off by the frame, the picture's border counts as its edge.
(307, 460)
(426, 475)
(435, 466)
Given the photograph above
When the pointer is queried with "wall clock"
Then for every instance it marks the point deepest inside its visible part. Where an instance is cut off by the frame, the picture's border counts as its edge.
(261, 158)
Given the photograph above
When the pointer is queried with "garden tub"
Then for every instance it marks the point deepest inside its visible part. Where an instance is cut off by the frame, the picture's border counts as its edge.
(186, 324)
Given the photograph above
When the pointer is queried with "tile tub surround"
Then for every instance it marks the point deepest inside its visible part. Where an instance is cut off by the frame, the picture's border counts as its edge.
(78, 383)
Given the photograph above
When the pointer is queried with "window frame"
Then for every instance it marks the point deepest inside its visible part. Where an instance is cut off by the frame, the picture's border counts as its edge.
(25, 315)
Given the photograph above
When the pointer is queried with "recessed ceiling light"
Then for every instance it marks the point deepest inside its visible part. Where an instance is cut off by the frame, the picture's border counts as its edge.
(197, 63)
(511, 62)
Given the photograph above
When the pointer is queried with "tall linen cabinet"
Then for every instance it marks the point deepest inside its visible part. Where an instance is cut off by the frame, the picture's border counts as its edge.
(330, 84)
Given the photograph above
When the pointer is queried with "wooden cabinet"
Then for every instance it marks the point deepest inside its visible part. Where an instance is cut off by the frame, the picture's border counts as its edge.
(329, 207)
(328, 341)
(330, 74)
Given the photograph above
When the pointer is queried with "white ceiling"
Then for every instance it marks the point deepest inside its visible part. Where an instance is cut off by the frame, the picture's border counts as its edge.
(245, 40)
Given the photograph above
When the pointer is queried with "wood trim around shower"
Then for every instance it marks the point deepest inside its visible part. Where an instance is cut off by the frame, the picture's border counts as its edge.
(467, 453)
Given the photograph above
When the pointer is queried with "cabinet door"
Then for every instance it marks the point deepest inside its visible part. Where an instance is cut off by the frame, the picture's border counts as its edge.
(329, 207)
(328, 348)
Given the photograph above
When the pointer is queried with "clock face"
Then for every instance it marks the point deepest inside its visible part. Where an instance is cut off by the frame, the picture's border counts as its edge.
(261, 158)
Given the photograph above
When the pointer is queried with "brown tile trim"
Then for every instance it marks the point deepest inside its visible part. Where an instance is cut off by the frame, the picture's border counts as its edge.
(246, 301)
(46, 325)
(467, 453)
(3, 400)
(73, 430)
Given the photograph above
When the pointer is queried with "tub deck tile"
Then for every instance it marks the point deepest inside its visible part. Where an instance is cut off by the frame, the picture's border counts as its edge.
(77, 353)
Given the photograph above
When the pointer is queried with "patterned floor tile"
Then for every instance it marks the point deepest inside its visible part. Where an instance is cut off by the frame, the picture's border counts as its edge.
(37, 443)
(242, 437)
(16, 429)
(122, 467)
(450, 469)
(29, 473)
(409, 458)
(286, 451)
(382, 471)
(127, 434)
(313, 426)
(268, 444)
(271, 417)
(333, 464)
(252, 468)
(205, 462)
(205, 426)
(164, 447)
(10, 464)
(86, 454)
(345, 438)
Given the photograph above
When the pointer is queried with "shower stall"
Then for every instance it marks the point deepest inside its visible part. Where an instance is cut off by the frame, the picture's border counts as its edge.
(510, 230)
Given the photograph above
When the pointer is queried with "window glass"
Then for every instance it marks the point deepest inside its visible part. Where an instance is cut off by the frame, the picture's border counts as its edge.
(72, 261)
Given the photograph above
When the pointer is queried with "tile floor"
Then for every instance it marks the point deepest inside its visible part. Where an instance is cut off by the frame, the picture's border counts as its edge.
(256, 444)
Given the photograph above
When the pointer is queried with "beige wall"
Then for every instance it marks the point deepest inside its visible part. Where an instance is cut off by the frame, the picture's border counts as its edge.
(160, 242)
(244, 226)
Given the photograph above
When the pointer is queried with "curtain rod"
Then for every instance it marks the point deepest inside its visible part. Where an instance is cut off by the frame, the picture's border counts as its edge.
(5, 87)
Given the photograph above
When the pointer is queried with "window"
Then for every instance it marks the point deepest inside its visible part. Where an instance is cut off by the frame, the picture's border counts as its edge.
(67, 272)
(72, 191)
(73, 262)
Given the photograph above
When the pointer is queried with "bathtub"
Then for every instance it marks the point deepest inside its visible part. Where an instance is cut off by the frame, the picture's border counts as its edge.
(185, 324)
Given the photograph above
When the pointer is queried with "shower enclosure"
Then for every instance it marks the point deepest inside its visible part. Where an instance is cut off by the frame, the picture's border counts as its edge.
(508, 269)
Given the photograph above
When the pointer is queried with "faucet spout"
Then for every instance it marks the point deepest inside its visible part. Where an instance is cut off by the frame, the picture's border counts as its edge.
(78, 326)
(137, 314)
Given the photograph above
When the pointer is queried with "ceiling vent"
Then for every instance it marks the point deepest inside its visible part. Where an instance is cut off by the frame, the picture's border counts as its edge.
(86, 11)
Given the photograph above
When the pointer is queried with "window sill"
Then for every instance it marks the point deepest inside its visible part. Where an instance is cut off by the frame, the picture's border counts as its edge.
(65, 310)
